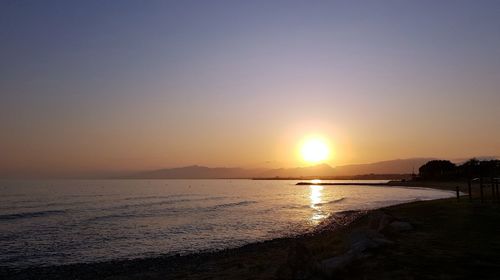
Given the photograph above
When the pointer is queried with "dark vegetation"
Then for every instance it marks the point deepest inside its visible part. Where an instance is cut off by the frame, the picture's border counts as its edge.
(446, 170)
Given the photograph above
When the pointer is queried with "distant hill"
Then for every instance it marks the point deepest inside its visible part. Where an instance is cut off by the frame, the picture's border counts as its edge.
(398, 166)
(320, 170)
(197, 172)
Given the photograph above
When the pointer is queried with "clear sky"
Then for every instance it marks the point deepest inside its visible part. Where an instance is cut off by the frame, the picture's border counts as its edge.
(122, 85)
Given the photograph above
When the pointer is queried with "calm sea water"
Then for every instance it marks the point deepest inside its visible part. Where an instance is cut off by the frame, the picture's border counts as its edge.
(61, 222)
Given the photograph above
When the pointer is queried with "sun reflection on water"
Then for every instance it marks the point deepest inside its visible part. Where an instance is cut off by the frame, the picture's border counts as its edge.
(316, 199)
(316, 195)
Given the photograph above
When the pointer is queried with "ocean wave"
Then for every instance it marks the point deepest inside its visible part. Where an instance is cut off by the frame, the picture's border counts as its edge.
(232, 204)
(87, 195)
(296, 206)
(26, 215)
(161, 196)
(307, 206)
(13, 195)
(162, 202)
(330, 202)
(46, 205)
(170, 211)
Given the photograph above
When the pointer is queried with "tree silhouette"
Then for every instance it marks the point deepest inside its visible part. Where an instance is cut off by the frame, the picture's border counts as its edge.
(438, 169)
(446, 170)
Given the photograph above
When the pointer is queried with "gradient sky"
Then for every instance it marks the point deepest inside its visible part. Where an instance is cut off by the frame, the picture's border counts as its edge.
(122, 85)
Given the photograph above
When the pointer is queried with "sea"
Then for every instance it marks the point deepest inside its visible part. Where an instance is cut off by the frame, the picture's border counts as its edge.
(45, 223)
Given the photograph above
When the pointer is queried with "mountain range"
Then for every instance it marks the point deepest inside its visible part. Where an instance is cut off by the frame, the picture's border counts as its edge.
(398, 166)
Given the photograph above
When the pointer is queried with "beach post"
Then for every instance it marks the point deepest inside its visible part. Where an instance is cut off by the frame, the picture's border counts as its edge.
(493, 195)
(481, 188)
(469, 189)
(498, 195)
(496, 189)
(458, 193)
(495, 185)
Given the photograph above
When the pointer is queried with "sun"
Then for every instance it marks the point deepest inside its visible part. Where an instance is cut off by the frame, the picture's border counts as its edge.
(315, 150)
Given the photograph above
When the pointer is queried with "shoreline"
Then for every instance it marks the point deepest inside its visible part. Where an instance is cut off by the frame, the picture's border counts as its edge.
(97, 270)
(334, 230)
(329, 219)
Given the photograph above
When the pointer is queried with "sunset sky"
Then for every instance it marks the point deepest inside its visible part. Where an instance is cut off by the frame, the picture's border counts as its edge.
(133, 85)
